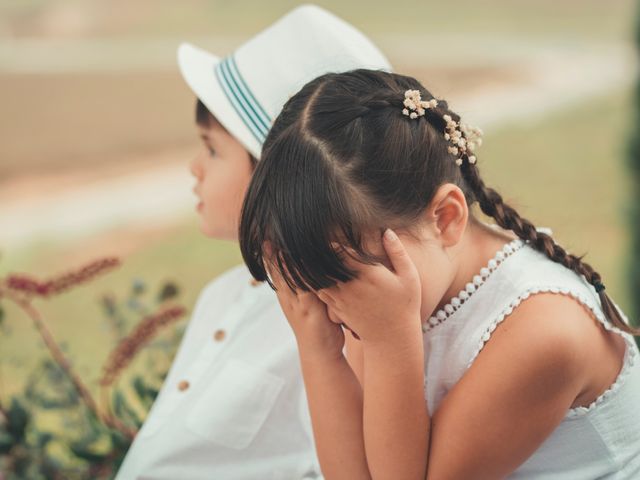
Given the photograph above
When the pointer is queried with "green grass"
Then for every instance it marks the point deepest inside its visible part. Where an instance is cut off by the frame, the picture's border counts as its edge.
(567, 172)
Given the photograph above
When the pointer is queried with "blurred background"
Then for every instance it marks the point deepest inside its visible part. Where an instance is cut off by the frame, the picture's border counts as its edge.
(97, 129)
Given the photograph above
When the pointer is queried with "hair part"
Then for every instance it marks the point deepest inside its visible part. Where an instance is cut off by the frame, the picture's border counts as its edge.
(341, 161)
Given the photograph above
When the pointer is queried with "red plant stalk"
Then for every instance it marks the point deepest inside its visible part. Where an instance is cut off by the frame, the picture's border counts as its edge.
(21, 288)
(128, 348)
(65, 365)
(33, 287)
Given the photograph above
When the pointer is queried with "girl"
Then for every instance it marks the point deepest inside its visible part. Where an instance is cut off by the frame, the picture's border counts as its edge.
(359, 216)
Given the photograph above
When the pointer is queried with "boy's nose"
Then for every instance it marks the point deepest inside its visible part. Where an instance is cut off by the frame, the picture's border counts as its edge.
(193, 167)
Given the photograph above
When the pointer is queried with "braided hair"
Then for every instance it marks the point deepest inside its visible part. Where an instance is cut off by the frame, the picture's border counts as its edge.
(342, 158)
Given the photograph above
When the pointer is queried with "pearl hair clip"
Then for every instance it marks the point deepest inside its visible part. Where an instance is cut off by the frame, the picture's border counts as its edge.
(460, 145)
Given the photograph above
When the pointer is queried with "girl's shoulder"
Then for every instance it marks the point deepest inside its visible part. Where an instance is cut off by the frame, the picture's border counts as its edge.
(554, 324)
(529, 373)
(560, 332)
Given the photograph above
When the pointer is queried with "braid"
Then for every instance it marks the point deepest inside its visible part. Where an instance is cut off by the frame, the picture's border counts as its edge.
(492, 204)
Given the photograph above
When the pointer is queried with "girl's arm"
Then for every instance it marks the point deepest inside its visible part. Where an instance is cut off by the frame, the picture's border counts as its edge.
(383, 306)
(396, 421)
(355, 356)
(334, 396)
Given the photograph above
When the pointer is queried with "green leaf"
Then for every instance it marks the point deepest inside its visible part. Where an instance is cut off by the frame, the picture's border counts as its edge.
(169, 290)
(119, 441)
(123, 410)
(6, 442)
(138, 286)
(85, 452)
(145, 392)
(18, 419)
(49, 387)
(44, 438)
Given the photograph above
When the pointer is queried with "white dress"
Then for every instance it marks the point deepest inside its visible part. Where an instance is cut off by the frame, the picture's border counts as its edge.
(599, 441)
(233, 405)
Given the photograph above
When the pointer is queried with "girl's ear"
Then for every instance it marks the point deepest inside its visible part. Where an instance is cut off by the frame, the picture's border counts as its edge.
(448, 213)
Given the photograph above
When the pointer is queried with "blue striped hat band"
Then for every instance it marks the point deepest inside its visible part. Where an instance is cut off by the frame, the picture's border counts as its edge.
(242, 99)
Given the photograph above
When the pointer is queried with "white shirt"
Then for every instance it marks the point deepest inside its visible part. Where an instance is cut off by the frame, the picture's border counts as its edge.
(601, 440)
(233, 404)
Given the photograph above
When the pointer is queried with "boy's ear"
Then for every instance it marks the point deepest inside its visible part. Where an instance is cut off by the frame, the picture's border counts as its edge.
(448, 212)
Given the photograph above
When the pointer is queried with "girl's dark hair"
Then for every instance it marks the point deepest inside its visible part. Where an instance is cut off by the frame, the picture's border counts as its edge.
(205, 118)
(342, 160)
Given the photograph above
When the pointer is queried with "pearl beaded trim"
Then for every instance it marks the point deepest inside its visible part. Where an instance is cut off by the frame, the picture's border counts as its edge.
(470, 288)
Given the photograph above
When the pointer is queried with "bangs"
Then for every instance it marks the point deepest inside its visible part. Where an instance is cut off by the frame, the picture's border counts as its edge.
(298, 204)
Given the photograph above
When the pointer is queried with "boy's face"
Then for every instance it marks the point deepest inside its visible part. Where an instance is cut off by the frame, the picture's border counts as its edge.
(222, 169)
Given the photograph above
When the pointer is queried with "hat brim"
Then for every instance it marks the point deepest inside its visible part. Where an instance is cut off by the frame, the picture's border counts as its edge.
(197, 66)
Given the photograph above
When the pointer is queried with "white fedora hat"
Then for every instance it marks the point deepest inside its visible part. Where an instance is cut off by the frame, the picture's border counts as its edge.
(246, 90)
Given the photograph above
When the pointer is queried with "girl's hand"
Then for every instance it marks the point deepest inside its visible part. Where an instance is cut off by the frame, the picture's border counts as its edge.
(317, 336)
(381, 304)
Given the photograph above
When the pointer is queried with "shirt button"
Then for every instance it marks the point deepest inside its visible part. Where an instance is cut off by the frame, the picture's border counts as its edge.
(183, 385)
(219, 335)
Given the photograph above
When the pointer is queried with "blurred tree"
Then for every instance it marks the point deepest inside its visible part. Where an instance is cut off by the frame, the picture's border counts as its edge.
(634, 163)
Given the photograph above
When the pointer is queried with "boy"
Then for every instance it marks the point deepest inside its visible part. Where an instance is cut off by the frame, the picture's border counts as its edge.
(233, 404)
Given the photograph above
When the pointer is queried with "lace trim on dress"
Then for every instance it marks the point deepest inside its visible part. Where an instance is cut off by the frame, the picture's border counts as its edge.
(630, 356)
(478, 280)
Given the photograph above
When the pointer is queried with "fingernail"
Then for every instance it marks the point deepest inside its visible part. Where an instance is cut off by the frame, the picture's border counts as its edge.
(390, 235)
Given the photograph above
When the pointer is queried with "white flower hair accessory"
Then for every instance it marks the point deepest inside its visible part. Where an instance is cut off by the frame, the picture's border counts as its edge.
(415, 106)
(461, 146)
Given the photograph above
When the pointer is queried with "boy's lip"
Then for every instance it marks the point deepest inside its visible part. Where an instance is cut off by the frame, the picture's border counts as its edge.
(197, 194)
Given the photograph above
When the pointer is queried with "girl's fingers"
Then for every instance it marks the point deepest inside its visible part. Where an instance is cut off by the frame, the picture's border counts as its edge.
(363, 270)
(325, 296)
(355, 335)
(273, 270)
(398, 256)
(308, 298)
(275, 276)
(333, 316)
(331, 298)
(267, 250)
(331, 313)
(270, 267)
